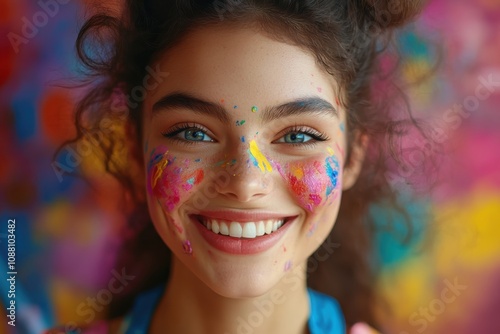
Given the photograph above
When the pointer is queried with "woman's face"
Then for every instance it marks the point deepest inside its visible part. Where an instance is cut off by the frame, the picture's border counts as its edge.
(244, 153)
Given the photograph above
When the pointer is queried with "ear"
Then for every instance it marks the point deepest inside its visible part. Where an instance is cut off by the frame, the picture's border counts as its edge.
(353, 165)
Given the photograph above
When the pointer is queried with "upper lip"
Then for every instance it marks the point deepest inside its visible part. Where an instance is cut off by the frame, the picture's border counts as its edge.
(243, 216)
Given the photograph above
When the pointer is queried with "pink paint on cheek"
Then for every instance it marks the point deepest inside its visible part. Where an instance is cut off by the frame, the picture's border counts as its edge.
(311, 183)
(166, 180)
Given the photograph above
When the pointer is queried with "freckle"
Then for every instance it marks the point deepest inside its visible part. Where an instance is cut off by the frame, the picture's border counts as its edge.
(254, 109)
(284, 248)
(319, 89)
(221, 100)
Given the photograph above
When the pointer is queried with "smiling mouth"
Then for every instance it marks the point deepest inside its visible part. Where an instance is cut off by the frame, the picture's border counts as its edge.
(248, 229)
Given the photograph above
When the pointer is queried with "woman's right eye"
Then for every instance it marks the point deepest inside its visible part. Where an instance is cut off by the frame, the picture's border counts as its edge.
(190, 134)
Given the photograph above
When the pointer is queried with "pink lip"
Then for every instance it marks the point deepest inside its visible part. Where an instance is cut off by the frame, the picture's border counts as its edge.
(242, 246)
(242, 216)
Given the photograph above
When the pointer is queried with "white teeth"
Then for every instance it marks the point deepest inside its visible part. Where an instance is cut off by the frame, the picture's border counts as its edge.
(235, 230)
(223, 229)
(269, 226)
(215, 226)
(261, 229)
(248, 230)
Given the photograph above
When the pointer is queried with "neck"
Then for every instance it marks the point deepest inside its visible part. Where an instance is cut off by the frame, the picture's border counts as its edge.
(189, 306)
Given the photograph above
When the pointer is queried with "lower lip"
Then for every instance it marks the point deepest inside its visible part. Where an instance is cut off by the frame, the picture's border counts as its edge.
(243, 246)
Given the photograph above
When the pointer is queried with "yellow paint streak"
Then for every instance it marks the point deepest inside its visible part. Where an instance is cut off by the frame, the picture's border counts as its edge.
(261, 159)
(330, 150)
(160, 166)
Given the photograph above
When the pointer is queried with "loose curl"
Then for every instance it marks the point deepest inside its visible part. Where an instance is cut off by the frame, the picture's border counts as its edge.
(345, 36)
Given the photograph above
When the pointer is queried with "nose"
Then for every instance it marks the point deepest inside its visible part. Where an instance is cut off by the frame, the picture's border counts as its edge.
(249, 176)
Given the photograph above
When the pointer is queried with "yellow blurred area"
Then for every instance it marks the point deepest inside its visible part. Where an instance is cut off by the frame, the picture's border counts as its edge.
(70, 303)
(468, 231)
(463, 247)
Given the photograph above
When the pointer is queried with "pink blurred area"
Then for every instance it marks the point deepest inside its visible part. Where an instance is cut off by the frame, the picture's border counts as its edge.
(71, 233)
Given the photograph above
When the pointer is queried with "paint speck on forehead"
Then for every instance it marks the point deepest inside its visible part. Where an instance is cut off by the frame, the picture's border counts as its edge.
(255, 109)
(258, 158)
(186, 245)
(198, 160)
(235, 106)
(238, 123)
(242, 139)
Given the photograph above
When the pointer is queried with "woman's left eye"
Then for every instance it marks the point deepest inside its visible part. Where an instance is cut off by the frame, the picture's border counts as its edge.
(295, 138)
(194, 135)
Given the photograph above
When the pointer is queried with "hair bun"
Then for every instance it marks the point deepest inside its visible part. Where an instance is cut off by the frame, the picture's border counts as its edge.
(392, 13)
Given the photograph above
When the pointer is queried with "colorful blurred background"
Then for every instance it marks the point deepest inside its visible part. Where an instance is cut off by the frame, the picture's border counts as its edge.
(445, 280)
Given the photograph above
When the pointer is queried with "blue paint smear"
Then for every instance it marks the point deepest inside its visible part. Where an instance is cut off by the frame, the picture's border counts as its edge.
(342, 127)
(191, 181)
(254, 161)
(332, 172)
(243, 139)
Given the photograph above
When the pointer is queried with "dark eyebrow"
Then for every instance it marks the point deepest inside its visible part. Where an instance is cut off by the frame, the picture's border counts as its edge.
(186, 101)
(311, 105)
(314, 105)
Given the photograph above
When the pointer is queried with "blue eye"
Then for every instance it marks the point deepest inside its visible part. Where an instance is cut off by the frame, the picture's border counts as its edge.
(302, 136)
(195, 135)
(189, 134)
(295, 138)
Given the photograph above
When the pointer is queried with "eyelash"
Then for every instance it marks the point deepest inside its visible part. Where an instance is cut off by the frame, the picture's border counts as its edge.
(182, 127)
(315, 135)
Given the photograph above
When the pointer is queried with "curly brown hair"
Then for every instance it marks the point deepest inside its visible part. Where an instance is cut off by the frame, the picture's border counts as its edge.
(345, 36)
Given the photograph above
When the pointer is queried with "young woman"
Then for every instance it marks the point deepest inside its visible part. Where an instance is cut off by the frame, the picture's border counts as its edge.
(252, 136)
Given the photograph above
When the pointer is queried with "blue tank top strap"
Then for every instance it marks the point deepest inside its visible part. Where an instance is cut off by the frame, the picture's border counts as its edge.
(139, 318)
(325, 317)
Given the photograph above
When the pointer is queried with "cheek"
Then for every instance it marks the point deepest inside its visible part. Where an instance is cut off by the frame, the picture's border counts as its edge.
(170, 181)
(313, 183)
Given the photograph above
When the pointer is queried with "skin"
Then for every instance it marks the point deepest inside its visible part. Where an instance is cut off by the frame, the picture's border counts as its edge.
(242, 67)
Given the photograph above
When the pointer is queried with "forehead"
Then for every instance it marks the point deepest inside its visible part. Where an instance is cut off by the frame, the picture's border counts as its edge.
(241, 65)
